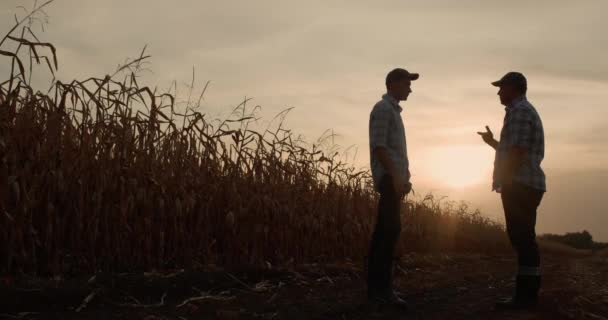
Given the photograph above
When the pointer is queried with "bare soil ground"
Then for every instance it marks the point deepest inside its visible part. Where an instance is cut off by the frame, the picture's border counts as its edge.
(440, 286)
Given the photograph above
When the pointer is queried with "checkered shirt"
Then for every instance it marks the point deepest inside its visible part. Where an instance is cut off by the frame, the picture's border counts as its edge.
(523, 128)
(386, 129)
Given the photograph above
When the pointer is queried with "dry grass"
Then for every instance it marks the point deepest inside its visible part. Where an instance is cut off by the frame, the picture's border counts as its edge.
(552, 247)
(107, 174)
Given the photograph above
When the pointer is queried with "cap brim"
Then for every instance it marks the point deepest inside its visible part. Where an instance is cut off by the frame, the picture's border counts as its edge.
(497, 83)
(414, 76)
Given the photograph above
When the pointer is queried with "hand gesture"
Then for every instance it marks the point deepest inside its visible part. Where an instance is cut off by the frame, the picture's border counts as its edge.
(488, 136)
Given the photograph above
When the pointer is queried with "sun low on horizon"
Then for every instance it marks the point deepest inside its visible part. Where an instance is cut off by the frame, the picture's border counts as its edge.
(458, 166)
(303, 159)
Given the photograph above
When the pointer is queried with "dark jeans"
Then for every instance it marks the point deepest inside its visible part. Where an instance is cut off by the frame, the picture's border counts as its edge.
(384, 240)
(520, 203)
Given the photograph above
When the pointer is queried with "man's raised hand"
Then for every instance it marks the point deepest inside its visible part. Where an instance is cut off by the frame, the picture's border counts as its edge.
(488, 137)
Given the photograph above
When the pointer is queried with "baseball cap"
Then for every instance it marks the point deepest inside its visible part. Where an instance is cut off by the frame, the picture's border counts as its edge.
(512, 78)
(398, 74)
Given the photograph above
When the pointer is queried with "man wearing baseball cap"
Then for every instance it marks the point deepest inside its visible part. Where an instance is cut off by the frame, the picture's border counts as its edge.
(520, 180)
(391, 178)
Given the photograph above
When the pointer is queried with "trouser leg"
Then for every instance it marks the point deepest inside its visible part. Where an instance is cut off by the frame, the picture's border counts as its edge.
(520, 203)
(384, 241)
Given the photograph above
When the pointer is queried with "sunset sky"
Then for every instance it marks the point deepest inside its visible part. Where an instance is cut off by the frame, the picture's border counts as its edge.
(328, 60)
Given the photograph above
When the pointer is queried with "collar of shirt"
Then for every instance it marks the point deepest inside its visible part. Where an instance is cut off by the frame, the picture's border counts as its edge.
(515, 102)
(392, 101)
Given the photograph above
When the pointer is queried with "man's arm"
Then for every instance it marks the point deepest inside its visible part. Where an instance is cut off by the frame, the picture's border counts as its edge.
(389, 166)
(515, 158)
(382, 154)
(488, 137)
(493, 144)
(378, 134)
(519, 131)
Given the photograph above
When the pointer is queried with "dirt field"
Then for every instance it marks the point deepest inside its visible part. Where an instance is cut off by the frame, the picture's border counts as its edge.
(460, 286)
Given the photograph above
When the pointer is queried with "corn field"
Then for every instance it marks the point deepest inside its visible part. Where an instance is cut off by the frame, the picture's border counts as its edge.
(106, 174)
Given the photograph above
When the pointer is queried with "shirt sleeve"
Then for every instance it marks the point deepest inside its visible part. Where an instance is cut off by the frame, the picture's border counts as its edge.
(519, 129)
(379, 121)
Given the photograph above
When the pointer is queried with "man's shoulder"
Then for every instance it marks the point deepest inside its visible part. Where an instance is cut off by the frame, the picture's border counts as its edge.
(524, 113)
(528, 110)
(530, 107)
(523, 108)
(381, 106)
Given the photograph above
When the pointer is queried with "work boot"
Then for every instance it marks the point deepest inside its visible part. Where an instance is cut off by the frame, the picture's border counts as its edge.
(526, 294)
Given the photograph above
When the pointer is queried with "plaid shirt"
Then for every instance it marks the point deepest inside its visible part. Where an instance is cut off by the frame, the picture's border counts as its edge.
(386, 130)
(522, 128)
